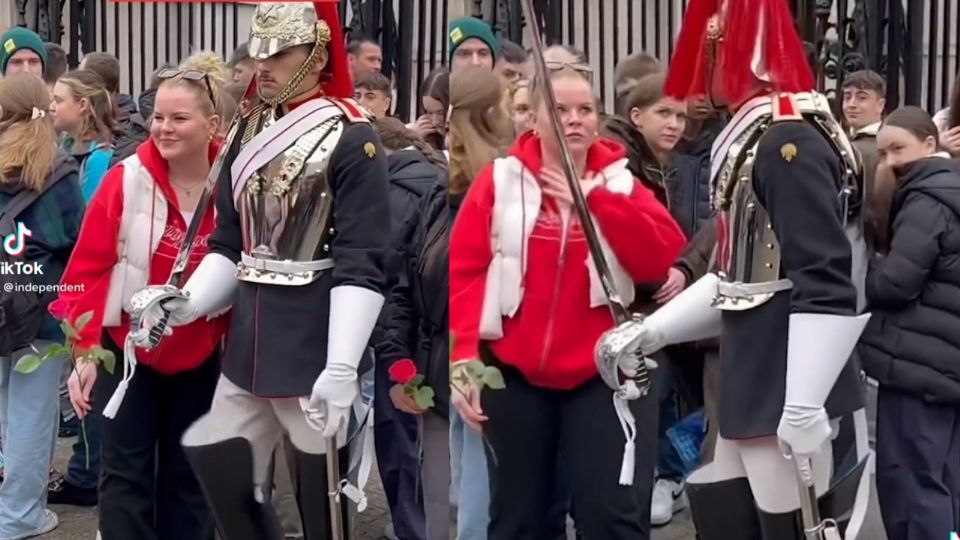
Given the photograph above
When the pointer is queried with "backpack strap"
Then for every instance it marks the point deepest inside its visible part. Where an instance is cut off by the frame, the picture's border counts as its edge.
(20, 202)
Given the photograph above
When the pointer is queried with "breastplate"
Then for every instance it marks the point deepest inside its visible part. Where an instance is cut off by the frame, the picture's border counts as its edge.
(748, 251)
(286, 211)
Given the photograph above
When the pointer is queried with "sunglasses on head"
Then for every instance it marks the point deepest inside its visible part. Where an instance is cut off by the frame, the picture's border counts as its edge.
(583, 69)
(189, 75)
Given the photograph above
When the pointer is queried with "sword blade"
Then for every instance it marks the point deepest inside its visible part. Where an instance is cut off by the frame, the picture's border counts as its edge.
(333, 488)
(620, 312)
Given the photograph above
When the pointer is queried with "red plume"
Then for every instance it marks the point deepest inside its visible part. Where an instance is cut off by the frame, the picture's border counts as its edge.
(687, 75)
(745, 21)
(337, 82)
(784, 59)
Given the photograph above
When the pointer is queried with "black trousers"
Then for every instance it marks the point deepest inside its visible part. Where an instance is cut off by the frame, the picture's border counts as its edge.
(529, 427)
(918, 466)
(147, 489)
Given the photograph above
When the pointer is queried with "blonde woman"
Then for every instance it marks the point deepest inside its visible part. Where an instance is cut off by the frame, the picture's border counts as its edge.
(532, 310)
(480, 131)
(31, 165)
(83, 112)
(131, 236)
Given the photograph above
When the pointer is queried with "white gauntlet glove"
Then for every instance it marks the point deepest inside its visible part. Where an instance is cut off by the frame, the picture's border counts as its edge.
(353, 314)
(818, 348)
(209, 289)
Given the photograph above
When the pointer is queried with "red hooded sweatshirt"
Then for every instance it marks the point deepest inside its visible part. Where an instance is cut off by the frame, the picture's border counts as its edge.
(551, 338)
(95, 255)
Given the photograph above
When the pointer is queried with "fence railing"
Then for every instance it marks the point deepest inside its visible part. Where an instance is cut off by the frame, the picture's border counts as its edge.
(146, 35)
(915, 43)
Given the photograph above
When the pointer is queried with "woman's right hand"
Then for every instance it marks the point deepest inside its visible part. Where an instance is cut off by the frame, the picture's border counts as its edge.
(950, 140)
(80, 384)
(425, 126)
(466, 399)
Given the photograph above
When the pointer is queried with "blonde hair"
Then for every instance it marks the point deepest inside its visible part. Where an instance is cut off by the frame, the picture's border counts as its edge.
(218, 75)
(557, 53)
(98, 121)
(480, 127)
(27, 144)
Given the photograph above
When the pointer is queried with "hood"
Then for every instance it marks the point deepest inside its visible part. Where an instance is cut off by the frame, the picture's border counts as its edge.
(146, 101)
(935, 176)
(151, 159)
(127, 105)
(602, 153)
(411, 170)
(638, 152)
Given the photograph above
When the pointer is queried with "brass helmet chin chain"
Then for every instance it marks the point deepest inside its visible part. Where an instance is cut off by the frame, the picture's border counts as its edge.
(322, 38)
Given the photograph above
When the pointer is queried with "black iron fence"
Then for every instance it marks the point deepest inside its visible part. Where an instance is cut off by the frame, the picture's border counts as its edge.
(914, 43)
(144, 36)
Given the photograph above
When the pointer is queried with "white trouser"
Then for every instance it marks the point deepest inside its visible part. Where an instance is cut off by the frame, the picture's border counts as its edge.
(262, 421)
(772, 477)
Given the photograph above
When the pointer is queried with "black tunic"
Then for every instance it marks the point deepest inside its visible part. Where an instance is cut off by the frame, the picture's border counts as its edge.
(277, 342)
(802, 197)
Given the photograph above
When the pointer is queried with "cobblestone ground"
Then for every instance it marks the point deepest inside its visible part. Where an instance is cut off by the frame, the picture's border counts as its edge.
(81, 523)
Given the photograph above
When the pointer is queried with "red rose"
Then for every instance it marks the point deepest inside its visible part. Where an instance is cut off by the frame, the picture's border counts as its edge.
(60, 309)
(403, 371)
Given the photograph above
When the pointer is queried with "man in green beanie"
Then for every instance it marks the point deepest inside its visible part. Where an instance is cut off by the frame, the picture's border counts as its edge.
(472, 43)
(22, 51)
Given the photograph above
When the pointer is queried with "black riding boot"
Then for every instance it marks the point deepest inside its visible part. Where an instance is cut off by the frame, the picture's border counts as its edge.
(312, 490)
(724, 510)
(225, 472)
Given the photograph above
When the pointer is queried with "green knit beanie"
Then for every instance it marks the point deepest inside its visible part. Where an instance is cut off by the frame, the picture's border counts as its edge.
(18, 38)
(470, 27)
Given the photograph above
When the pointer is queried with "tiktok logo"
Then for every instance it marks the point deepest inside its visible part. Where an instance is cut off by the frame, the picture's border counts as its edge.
(15, 244)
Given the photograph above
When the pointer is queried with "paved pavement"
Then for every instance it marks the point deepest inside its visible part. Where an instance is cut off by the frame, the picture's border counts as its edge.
(81, 523)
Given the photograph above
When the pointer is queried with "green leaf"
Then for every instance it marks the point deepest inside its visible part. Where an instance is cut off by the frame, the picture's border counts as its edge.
(82, 320)
(108, 359)
(68, 330)
(56, 350)
(416, 381)
(424, 397)
(492, 378)
(475, 369)
(28, 363)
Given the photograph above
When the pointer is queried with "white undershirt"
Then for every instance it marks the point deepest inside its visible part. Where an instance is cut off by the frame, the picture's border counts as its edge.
(187, 217)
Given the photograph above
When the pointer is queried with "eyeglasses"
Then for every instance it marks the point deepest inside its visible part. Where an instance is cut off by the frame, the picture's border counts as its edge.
(190, 75)
(583, 69)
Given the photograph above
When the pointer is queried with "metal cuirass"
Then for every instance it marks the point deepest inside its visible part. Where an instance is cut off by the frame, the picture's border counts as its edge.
(286, 207)
(748, 251)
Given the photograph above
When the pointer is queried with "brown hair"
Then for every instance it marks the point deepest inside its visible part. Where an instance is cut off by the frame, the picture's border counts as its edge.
(27, 145)
(480, 128)
(646, 92)
(375, 81)
(915, 120)
(99, 121)
(396, 136)
(107, 67)
(56, 64)
(866, 79)
(628, 72)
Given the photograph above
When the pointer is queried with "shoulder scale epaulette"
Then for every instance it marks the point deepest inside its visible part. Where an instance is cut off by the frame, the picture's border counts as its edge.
(351, 110)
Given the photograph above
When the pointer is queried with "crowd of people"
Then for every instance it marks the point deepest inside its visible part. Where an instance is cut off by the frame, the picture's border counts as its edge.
(464, 228)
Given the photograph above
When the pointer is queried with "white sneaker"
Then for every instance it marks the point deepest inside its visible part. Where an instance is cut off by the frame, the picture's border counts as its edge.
(50, 522)
(669, 498)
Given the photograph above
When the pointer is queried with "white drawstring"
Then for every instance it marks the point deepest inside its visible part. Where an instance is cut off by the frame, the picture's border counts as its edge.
(629, 426)
(129, 367)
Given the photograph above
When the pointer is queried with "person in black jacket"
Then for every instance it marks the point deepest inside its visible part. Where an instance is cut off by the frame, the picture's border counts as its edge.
(912, 344)
(414, 167)
(417, 330)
